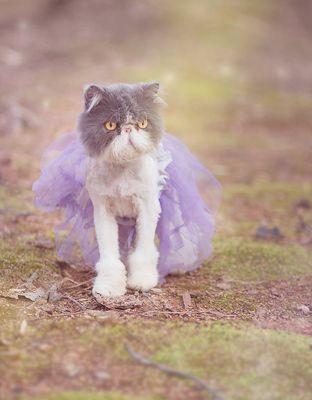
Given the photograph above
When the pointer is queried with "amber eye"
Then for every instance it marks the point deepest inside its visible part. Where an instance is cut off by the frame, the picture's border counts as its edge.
(110, 126)
(143, 124)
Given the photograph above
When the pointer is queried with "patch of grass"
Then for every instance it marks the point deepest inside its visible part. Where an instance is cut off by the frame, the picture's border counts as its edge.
(19, 259)
(244, 207)
(14, 199)
(22, 256)
(244, 363)
(241, 361)
(277, 195)
(233, 302)
(283, 105)
(90, 395)
(244, 259)
(93, 396)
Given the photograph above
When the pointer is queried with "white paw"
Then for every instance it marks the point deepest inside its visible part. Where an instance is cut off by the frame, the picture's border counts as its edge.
(143, 274)
(111, 279)
(142, 281)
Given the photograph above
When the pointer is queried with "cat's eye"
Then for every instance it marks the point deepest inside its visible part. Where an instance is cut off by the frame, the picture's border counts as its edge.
(142, 124)
(110, 125)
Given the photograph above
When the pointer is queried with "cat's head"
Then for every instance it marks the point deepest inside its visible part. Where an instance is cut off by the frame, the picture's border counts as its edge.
(120, 122)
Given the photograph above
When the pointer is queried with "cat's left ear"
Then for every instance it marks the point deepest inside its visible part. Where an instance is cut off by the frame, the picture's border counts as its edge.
(92, 96)
(151, 89)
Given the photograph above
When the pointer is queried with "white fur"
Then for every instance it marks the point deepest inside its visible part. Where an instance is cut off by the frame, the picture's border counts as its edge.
(124, 182)
(127, 146)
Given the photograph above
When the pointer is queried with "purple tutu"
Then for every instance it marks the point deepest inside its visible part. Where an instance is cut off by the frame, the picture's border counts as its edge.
(189, 198)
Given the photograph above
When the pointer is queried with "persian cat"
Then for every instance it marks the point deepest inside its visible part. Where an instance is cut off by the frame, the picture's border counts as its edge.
(137, 202)
(120, 128)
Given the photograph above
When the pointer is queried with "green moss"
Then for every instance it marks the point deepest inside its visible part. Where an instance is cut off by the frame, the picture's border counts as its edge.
(22, 257)
(281, 195)
(244, 259)
(244, 207)
(241, 361)
(233, 302)
(93, 396)
(282, 105)
(244, 363)
(15, 199)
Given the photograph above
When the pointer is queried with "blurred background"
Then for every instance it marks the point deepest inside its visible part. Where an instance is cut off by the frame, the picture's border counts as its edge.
(237, 78)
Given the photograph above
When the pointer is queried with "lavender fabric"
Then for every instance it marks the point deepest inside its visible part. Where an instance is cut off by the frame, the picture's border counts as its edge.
(188, 201)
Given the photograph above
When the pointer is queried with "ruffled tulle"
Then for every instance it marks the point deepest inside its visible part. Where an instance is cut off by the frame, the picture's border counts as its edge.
(189, 198)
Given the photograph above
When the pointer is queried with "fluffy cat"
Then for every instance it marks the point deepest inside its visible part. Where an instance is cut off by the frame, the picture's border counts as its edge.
(120, 182)
(120, 128)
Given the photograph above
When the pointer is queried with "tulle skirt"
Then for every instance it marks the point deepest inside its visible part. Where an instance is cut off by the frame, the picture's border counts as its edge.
(189, 198)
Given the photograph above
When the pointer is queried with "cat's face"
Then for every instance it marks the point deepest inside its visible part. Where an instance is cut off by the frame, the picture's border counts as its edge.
(121, 121)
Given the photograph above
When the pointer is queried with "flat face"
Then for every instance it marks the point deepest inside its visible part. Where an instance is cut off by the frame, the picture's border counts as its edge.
(121, 121)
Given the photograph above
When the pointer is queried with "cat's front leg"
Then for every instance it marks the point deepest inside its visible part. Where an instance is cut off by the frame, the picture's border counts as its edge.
(143, 274)
(111, 272)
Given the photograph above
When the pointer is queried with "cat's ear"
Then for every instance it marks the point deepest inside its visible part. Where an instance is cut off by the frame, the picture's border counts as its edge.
(151, 89)
(92, 96)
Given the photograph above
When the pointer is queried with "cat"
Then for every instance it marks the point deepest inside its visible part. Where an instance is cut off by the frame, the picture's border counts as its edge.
(120, 129)
(118, 179)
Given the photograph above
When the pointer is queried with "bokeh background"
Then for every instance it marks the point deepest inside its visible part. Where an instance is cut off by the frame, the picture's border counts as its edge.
(237, 77)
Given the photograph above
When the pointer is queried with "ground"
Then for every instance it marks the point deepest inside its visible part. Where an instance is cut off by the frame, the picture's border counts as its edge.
(237, 79)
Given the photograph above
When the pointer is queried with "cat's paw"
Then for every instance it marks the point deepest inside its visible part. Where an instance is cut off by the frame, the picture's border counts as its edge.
(143, 274)
(111, 280)
(142, 281)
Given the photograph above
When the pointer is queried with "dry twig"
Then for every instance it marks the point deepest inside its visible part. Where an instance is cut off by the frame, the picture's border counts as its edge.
(77, 284)
(170, 371)
(68, 297)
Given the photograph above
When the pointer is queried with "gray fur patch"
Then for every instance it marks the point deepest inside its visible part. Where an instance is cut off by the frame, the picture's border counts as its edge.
(115, 103)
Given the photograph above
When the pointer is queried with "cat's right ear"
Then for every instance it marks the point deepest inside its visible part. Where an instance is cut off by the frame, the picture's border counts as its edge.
(92, 96)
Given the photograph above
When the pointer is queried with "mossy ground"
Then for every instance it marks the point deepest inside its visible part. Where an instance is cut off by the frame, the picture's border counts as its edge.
(240, 361)
(236, 76)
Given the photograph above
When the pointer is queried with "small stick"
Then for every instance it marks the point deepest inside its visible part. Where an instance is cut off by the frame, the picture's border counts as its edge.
(68, 297)
(79, 283)
(170, 371)
(186, 312)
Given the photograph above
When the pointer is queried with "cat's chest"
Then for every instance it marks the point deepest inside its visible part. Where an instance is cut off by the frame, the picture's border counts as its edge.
(137, 179)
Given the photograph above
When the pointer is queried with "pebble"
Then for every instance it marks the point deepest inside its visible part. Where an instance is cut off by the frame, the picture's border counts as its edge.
(72, 370)
(101, 375)
(304, 309)
(156, 290)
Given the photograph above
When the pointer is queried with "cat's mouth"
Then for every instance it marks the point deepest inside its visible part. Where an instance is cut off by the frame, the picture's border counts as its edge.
(128, 147)
(131, 142)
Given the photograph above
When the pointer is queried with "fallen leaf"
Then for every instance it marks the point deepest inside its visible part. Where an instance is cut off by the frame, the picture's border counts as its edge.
(100, 315)
(187, 301)
(30, 280)
(34, 295)
(23, 327)
(53, 294)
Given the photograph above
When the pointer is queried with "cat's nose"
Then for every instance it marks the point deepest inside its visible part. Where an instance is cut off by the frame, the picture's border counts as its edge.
(127, 129)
